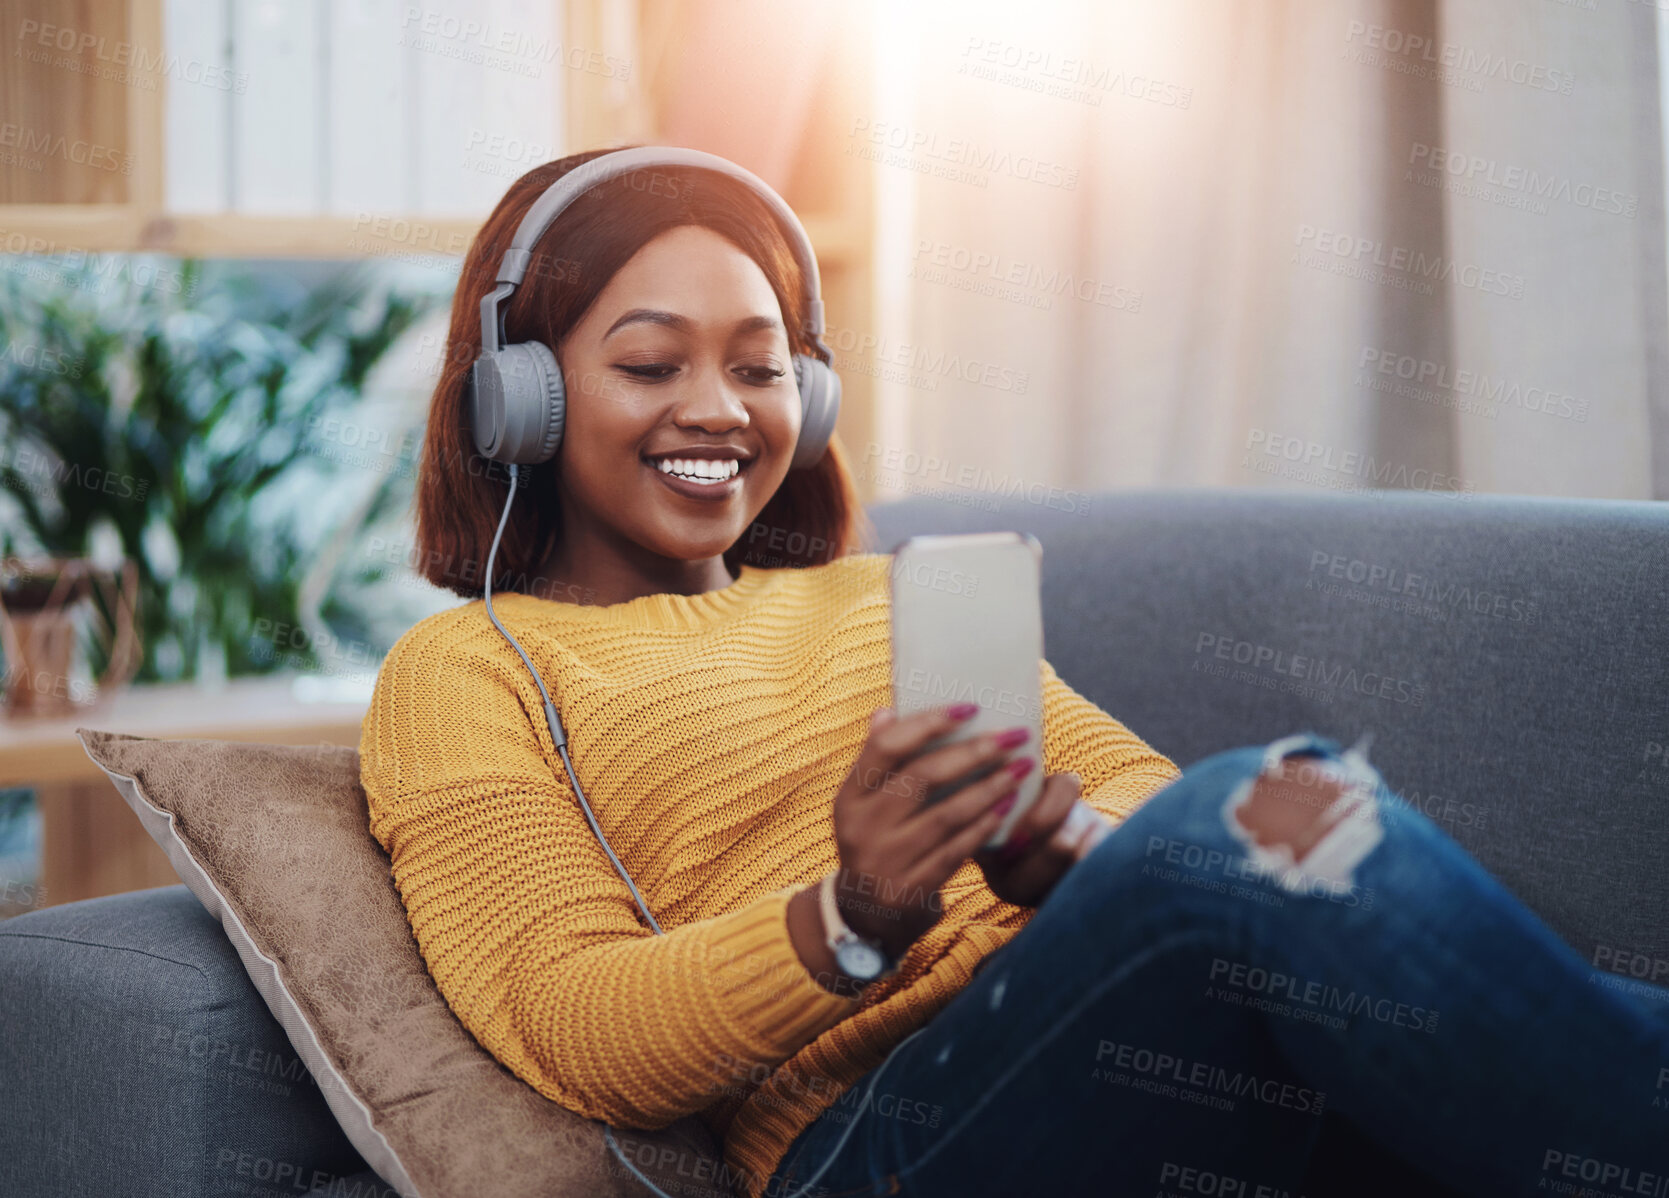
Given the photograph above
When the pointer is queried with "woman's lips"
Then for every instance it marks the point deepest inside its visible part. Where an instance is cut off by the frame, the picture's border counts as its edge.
(693, 490)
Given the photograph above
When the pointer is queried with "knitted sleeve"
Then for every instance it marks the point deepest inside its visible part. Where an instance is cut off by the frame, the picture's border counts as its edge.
(1119, 770)
(530, 934)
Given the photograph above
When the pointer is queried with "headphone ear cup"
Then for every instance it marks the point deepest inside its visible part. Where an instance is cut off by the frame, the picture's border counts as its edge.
(517, 404)
(819, 406)
(553, 398)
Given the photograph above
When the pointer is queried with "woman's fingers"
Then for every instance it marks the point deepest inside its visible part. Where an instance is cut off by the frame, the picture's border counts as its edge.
(1041, 825)
(945, 824)
(892, 740)
(949, 762)
(946, 856)
(896, 764)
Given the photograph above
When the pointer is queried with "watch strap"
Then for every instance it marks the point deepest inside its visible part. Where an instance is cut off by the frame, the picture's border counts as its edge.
(834, 927)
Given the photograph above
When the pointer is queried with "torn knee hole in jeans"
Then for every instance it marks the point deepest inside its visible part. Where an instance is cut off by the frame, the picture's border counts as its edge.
(1340, 833)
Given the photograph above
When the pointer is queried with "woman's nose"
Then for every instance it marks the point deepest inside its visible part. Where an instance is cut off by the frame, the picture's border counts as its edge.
(711, 402)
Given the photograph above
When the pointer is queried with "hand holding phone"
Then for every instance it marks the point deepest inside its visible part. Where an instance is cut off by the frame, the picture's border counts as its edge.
(895, 850)
(967, 626)
(1059, 832)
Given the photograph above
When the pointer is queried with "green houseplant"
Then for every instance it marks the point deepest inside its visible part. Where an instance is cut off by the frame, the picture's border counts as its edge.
(162, 415)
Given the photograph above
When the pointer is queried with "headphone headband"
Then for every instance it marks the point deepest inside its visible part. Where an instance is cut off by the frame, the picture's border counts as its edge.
(517, 407)
(512, 268)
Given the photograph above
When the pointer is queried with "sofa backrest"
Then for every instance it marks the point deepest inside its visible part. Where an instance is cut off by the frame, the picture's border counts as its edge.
(1509, 656)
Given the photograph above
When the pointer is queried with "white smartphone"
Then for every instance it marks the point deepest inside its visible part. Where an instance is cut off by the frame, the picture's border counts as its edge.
(967, 627)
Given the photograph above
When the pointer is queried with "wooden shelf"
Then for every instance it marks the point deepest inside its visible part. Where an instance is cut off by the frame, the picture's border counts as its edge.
(264, 709)
(91, 842)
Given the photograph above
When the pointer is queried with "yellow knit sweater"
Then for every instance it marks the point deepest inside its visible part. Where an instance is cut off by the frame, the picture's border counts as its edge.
(710, 733)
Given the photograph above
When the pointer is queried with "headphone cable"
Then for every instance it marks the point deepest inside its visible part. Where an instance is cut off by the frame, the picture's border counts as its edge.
(558, 737)
(560, 740)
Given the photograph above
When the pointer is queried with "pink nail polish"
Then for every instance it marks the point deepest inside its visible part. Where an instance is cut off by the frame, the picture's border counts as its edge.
(1002, 805)
(1021, 766)
(1013, 737)
(963, 711)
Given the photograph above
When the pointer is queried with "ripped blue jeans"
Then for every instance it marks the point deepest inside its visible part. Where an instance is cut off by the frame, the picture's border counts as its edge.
(1179, 1014)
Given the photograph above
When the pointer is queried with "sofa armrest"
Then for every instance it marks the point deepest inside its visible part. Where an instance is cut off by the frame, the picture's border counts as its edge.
(138, 1059)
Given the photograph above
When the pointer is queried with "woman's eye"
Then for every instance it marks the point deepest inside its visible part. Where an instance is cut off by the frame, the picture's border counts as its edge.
(656, 371)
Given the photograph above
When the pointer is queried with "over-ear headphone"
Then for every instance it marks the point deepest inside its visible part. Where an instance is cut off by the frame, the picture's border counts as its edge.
(516, 402)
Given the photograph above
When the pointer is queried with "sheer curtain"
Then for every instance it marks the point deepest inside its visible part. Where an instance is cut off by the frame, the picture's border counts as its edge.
(1402, 243)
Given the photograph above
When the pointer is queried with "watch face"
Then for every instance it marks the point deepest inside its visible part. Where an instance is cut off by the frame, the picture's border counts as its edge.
(859, 960)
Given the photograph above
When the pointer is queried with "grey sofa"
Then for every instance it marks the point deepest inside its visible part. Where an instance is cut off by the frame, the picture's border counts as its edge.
(1509, 655)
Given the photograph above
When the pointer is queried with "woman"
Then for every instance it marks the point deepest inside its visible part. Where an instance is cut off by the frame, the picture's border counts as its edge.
(1171, 1009)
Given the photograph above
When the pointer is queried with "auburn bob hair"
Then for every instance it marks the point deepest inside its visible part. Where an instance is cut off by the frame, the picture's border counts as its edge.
(814, 517)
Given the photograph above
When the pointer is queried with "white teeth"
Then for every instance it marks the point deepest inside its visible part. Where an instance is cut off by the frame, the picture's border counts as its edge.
(702, 470)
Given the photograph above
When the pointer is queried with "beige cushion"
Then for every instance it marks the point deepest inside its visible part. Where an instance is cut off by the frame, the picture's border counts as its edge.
(274, 841)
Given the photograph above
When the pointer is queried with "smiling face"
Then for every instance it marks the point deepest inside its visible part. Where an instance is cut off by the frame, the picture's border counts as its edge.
(682, 414)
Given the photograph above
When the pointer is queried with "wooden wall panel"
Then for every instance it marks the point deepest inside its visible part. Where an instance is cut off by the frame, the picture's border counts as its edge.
(64, 136)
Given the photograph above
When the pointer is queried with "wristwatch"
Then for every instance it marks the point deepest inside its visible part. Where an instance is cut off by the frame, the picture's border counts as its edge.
(858, 957)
